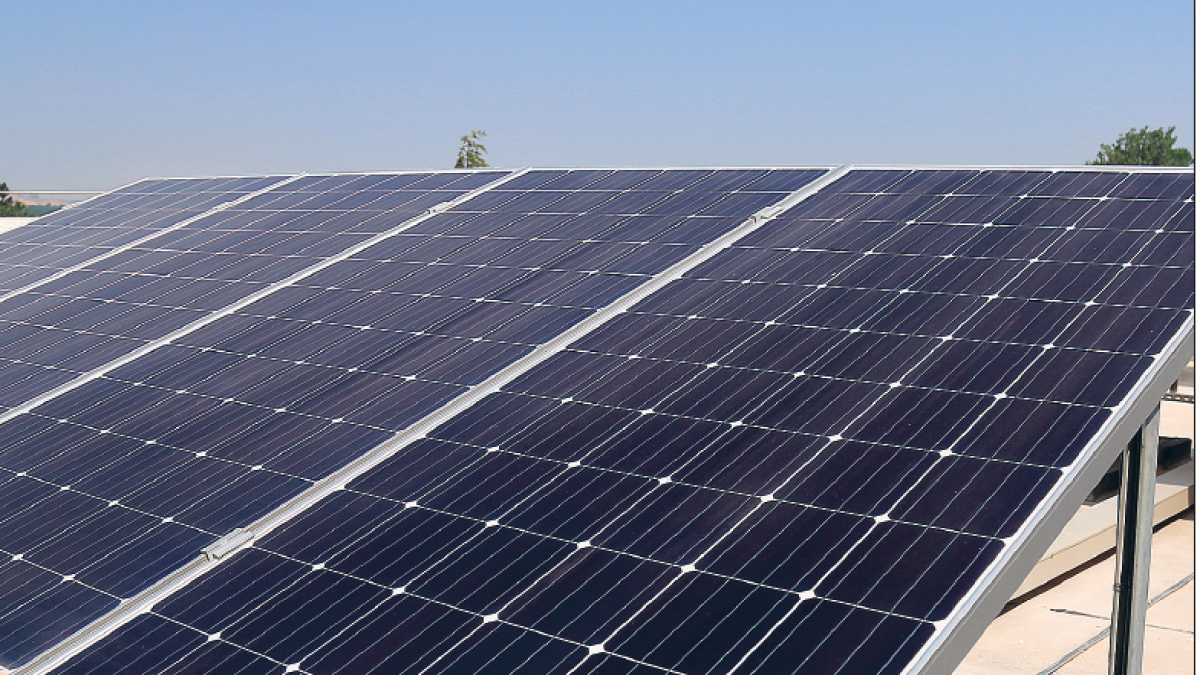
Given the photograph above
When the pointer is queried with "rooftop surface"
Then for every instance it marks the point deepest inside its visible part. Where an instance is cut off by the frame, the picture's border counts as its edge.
(1051, 632)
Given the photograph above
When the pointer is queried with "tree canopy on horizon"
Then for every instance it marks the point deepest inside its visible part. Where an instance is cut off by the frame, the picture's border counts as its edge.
(1144, 148)
(471, 152)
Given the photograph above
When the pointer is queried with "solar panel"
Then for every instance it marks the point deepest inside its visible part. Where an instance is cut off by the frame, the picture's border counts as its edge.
(822, 440)
(120, 478)
(84, 316)
(70, 239)
(103, 224)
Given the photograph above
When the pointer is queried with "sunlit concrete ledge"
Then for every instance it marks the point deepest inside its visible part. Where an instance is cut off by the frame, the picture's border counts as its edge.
(7, 224)
(1093, 530)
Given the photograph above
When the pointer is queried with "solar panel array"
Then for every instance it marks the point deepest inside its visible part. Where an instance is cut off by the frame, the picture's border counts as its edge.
(800, 451)
(362, 321)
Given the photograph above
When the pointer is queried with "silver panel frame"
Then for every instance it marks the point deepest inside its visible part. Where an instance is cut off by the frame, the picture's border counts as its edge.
(1052, 168)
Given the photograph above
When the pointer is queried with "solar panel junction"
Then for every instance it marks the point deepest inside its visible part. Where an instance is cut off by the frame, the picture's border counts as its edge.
(567, 421)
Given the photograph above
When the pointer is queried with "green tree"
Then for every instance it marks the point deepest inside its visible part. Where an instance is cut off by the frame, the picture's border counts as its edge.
(1145, 147)
(470, 153)
(10, 207)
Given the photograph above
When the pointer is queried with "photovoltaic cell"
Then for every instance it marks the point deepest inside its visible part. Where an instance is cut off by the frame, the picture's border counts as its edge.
(795, 459)
(209, 432)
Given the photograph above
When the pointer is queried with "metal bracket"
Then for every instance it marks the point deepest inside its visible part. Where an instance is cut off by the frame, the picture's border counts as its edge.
(1135, 527)
(234, 541)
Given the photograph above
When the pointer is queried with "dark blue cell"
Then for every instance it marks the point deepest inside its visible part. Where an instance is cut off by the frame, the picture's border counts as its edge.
(501, 648)
(855, 477)
(1172, 288)
(1072, 282)
(650, 445)
(868, 180)
(220, 656)
(82, 544)
(634, 383)
(976, 496)
(979, 367)
(1030, 322)
(1081, 183)
(115, 470)
(1169, 249)
(784, 348)
(964, 209)
(725, 394)
(589, 595)
(576, 502)
(875, 357)
(487, 572)
(213, 495)
(815, 405)
(300, 617)
(1172, 186)
(785, 546)
(696, 340)
(1100, 246)
(1090, 378)
(745, 459)
(1010, 242)
(703, 624)
(1126, 214)
(909, 570)
(415, 469)
(533, 430)
(1009, 183)
(317, 455)
(214, 601)
(34, 515)
(937, 182)
(148, 643)
(60, 453)
(146, 559)
(608, 664)
(1032, 432)
(675, 523)
(920, 418)
(31, 610)
(1126, 329)
(379, 540)
(402, 634)
(785, 180)
(883, 271)
(20, 429)
(822, 637)
(738, 179)
(492, 485)
(169, 415)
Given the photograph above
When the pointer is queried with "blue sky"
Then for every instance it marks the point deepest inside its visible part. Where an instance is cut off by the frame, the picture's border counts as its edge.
(97, 94)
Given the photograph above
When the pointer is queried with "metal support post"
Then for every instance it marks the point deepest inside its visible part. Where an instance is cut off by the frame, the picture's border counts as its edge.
(1135, 527)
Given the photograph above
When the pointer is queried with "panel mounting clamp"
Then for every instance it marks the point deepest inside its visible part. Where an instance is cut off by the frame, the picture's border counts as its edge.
(440, 208)
(230, 543)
